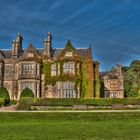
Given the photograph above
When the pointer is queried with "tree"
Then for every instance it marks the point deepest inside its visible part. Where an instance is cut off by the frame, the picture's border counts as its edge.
(27, 93)
(132, 79)
(5, 95)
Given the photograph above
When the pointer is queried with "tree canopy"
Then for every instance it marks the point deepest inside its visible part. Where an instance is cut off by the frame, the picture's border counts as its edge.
(132, 79)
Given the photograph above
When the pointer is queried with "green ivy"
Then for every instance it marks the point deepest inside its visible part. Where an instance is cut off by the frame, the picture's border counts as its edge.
(51, 80)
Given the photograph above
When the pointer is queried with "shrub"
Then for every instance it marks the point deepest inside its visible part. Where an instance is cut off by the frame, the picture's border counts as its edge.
(13, 102)
(5, 95)
(27, 93)
(26, 103)
(1, 102)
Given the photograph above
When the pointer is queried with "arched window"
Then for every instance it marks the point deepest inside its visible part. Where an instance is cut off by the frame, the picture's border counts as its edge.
(27, 85)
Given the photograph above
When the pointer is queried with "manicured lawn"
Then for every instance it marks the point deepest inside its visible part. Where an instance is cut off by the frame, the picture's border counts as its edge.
(69, 126)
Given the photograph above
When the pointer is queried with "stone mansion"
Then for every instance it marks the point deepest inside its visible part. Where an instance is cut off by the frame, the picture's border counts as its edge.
(56, 72)
(49, 72)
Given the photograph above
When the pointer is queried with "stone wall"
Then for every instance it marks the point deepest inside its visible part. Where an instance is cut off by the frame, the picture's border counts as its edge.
(113, 83)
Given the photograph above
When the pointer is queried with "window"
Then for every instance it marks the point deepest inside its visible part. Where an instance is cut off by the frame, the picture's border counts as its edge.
(26, 85)
(53, 69)
(68, 54)
(37, 89)
(68, 90)
(30, 54)
(68, 67)
(38, 69)
(113, 95)
(28, 69)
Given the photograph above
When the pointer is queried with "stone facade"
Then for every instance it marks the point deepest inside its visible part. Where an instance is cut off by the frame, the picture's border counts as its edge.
(113, 83)
(21, 68)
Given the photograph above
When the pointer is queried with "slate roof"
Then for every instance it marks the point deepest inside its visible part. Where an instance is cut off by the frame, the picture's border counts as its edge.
(7, 53)
(55, 52)
(108, 74)
(82, 51)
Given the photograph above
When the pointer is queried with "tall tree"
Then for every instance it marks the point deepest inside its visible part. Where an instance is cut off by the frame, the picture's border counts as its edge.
(132, 79)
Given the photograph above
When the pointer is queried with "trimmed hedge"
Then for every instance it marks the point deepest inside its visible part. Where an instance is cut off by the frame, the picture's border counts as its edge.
(4, 95)
(1, 102)
(26, 103)
(27, 93)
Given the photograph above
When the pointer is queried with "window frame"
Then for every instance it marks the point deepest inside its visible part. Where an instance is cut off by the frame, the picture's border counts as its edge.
(68, 89)
(53, 69)
(69, 67)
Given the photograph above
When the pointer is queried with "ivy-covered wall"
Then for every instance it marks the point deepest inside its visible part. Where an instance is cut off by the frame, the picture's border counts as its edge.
(51, 80)
(87, 78)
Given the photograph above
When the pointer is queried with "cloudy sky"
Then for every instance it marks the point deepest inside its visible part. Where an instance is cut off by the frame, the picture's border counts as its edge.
(112, 27)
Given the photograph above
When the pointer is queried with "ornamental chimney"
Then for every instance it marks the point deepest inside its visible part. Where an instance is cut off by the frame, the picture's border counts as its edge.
(17, 46)
(47, 45)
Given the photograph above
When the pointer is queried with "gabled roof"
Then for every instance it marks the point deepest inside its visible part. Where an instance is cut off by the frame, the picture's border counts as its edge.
(114, 73)
(30, 49)
(81, 51)
(85, 52)
(68, 47)
(55, 52)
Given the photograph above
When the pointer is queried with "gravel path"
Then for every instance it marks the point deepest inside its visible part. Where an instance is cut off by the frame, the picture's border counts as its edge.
(13, 109)
(8, 108)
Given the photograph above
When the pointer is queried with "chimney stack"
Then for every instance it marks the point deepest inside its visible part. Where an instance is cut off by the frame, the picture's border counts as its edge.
(17, 46)
(47, 45)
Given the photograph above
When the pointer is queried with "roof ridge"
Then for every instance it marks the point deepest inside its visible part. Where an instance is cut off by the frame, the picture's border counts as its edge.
(5, 49)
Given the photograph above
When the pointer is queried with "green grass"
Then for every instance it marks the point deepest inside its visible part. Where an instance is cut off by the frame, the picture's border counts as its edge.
(69, 126)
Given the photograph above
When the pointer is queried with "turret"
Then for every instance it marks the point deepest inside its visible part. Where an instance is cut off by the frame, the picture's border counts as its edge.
(47, 45)
(17, 46)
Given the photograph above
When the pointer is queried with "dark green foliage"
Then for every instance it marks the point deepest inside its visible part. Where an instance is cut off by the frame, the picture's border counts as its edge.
(132, 79)
(135, 63)
(27, 93)
(1, 102)
(13, 102)
(5, 95)
(26, 103)
(101, 88)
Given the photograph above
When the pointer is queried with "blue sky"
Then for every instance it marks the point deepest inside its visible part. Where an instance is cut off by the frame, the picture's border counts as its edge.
(112, 27)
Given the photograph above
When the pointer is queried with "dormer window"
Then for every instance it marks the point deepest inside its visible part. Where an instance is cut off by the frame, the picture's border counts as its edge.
(68, 54)
(30, 55)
